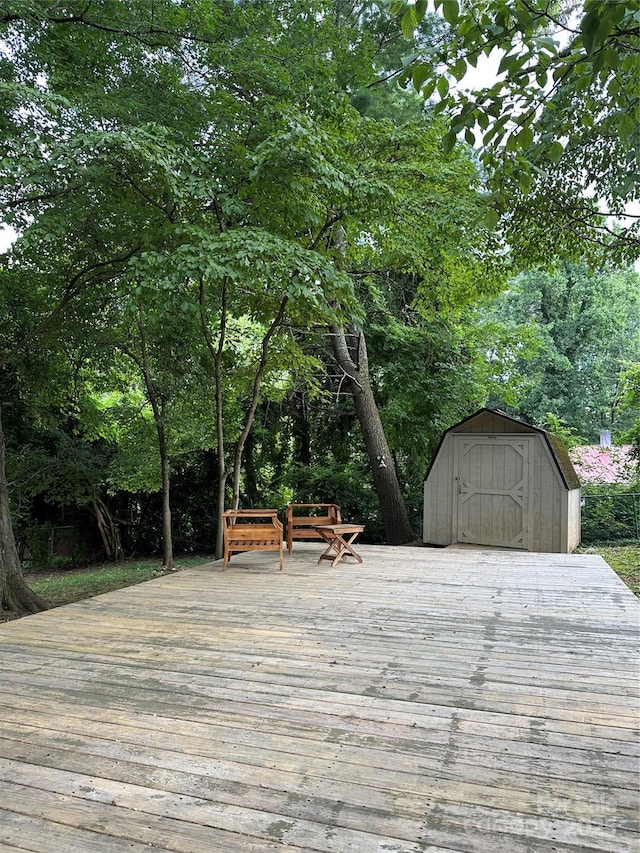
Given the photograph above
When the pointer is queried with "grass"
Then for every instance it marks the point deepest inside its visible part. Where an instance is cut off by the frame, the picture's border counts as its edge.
(65, 586)
(624, 560)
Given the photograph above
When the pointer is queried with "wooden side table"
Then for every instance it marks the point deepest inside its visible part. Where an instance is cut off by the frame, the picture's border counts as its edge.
(339, 539)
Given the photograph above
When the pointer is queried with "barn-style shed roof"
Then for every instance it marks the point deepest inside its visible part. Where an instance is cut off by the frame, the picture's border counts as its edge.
(557, 449)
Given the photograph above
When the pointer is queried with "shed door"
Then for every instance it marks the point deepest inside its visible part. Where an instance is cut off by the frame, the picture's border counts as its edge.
(492, 478)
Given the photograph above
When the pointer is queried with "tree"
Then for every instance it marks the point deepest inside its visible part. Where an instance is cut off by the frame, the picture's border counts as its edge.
(588, 324)
(142, 171)
(354, 361)
(559, 126)
(16, 595)
(630, 379)
(161, 343)
(87, 193)
(245, 287)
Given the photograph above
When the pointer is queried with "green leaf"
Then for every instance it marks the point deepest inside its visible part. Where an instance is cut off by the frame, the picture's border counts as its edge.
(612, 59)
(506, 62)
(448, 141)
(451, 11)
(627, 128)
(556, 150)
(512, 143)
(525, 137)
(443, 87)
(491, 219)
(524, 182)
(589, 27)
(409, 59)
(409, 22)
(541, 77)
(428, 89)
(582, 84)
(421, 73)
(459, 69)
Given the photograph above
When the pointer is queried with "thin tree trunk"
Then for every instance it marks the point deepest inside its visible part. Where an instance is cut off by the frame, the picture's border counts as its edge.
(158, 416)
(222, 488)
(15, 595)
(255, 399)
(216, 355)
(109, 532)
(250, 474)
(167, 534)
(301, 432)
(385, 479)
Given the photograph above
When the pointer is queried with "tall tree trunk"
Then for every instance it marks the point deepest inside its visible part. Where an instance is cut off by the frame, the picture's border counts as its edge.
(15, 595)
(157, 406)
(385, 479)
(250, 473)
(222, 487)
(216, 352)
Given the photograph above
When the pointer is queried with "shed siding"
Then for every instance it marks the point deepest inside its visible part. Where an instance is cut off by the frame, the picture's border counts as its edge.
(490, 422)
(547, 501)
(438, 498)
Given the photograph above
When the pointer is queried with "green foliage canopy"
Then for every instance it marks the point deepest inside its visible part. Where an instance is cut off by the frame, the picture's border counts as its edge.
(588, 324)
(559, 127)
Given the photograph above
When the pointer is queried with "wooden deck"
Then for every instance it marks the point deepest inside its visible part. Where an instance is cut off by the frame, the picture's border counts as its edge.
(425, 700)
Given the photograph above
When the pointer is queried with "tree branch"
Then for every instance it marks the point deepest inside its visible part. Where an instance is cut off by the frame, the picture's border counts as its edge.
(72, 289)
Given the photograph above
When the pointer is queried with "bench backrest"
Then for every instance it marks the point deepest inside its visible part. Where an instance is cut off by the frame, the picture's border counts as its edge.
(302, 520)
(241, 523)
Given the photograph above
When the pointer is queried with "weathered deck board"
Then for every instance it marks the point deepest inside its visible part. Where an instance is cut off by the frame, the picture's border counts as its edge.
(425, 700)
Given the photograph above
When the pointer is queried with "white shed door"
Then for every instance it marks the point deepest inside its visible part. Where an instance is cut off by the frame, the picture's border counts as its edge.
(492, 477)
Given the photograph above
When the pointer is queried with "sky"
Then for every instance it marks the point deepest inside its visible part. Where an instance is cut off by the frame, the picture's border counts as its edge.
(7, 236)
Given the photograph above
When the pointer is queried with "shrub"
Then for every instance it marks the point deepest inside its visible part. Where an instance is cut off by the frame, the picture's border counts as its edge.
(610, 513)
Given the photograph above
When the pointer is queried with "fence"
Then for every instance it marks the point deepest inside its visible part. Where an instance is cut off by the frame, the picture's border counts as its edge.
(610, 517)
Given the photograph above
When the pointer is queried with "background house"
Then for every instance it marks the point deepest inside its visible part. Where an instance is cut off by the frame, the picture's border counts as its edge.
(603, 463)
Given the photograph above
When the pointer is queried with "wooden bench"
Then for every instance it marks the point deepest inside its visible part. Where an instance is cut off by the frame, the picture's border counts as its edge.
(304, 526)
(252, 530)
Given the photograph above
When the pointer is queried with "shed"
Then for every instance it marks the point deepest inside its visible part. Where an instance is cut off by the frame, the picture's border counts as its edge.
(497, 481)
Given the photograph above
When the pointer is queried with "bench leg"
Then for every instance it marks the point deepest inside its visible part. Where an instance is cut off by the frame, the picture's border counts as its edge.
(227, 557)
